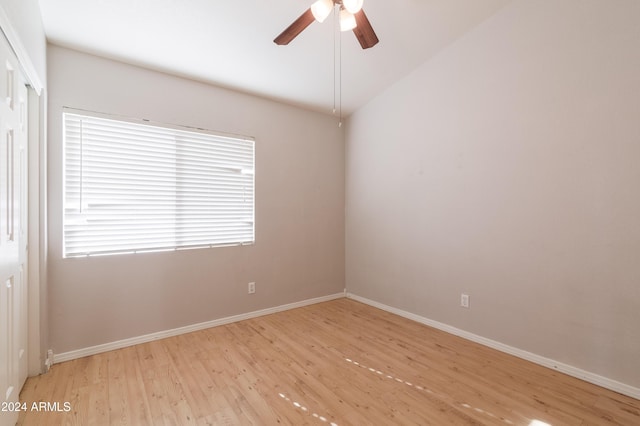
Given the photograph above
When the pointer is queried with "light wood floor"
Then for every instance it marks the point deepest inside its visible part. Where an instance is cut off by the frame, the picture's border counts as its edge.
(339, 362)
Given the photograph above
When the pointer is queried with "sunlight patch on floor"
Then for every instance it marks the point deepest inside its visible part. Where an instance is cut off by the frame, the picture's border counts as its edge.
(429, 391)
(302, 407)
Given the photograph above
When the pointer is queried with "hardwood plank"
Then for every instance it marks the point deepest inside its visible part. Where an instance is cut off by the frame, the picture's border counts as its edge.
(337, 362)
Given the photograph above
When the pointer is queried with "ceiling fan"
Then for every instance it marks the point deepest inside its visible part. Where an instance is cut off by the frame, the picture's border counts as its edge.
(352, 17)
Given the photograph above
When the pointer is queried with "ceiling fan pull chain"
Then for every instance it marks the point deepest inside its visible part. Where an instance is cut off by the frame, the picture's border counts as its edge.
(340, 77)
(335, 28)
(347, 15)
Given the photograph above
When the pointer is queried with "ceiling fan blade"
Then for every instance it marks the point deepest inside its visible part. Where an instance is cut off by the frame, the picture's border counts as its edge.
(296, 28)
(364, 31)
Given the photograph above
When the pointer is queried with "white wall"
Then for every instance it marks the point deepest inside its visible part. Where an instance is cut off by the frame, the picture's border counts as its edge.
(508, 168)
(299, 249)
(24, 17)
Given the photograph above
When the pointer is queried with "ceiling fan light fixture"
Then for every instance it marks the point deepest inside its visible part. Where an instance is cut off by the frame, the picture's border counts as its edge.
(347, 20)
(321, 9)
(353, 6)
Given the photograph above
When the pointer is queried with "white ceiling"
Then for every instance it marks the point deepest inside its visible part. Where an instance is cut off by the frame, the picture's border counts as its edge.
(230, 43)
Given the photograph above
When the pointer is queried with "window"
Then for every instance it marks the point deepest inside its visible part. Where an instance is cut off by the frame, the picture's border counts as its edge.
(134, 186)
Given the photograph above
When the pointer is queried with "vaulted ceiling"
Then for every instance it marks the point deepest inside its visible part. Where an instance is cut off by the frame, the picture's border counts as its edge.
(230, 43)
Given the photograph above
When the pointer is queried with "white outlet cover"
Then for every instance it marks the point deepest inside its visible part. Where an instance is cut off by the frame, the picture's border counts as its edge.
(464, 300)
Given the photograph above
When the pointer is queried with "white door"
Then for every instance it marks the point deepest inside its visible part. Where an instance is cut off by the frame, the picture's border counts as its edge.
(13, 232)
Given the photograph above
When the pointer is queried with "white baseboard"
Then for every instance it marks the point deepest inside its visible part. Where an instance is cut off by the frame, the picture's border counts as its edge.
(537, 359)
(79, 353)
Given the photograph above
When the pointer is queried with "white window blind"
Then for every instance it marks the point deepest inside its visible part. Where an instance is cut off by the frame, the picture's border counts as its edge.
(132, 187)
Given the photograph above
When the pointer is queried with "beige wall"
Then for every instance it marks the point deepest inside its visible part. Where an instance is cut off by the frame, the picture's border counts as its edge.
(508, 168)
(299, 249)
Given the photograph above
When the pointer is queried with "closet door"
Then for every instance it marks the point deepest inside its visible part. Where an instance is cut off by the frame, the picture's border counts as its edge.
(13, 233)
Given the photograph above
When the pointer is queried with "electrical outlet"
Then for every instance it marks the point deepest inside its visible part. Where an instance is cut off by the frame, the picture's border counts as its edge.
(464, 300)
(252, 288)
